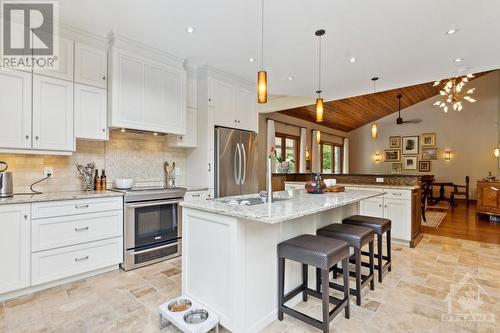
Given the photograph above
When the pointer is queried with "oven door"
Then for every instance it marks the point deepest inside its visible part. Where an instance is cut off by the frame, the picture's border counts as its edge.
(152, 232)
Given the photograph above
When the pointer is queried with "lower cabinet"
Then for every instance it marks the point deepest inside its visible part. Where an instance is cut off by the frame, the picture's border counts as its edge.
(14, 247)
(372, 207)
(199, 195)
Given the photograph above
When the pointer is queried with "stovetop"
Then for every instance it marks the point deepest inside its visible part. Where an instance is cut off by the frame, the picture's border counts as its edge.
(149, 193)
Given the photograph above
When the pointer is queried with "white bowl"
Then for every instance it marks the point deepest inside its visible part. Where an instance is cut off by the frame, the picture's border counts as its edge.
(123, 183)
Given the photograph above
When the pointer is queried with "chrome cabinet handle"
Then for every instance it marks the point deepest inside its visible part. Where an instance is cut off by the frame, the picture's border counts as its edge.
(104, 130)
(82, 259)
(81, 206)
(36, 137)
(398, 194)
(195, 195)
(25, 217)
(209, 167)
(81, 229)
(104, 77)
(27, 137)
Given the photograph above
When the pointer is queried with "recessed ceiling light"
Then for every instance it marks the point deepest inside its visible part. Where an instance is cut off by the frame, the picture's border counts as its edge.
(123, 130)
(190, 30)
(451, 31)
(290, 78)
(155, 134)
(251, 59)
(459, 60)
(352, 59)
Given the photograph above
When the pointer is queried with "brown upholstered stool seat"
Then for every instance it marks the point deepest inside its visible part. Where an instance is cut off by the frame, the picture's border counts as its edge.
(378, 224)
(356, 236)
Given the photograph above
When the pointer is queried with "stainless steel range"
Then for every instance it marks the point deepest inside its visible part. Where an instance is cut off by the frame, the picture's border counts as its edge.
(153, 225)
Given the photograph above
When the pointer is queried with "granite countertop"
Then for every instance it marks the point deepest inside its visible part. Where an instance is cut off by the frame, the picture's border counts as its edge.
(56, 196)
(299, 203)
(194, 188)
(387, 186)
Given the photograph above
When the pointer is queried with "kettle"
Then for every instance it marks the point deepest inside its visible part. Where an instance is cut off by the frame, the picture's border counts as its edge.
(6, 185)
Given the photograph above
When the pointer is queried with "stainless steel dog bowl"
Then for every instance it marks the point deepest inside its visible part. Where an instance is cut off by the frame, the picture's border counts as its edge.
(179, 305)
(196, 316)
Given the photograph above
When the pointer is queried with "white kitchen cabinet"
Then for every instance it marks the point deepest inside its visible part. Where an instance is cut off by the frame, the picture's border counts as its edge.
(53, 114)
(90, 65)
(14, 247)
(90, 112)
(15, 109)
(372, 207)
(246, 110)
(146, 94)
(224, 101)
(192, 93)
(64, 68)
(189, 140)
(399, 212)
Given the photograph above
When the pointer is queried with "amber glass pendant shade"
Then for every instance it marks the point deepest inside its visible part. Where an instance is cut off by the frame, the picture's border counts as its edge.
(319, 110)
(374, 131)
(262, 87)
(318, 137)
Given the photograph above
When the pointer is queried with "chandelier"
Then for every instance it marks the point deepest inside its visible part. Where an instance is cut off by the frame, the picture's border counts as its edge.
(453, 94)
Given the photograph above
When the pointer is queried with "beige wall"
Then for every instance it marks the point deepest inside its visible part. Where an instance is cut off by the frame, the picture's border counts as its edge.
(125, 155)
(471, 135)
(289, 125)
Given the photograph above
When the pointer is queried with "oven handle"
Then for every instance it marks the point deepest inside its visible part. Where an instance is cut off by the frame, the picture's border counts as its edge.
(153, 203)
(132, 252)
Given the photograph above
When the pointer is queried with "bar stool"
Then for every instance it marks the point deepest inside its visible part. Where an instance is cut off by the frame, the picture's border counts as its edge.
(322, 253)
(357, 237)
(379, 226)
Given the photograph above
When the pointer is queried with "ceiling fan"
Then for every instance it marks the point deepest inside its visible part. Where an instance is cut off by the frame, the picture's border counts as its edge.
(400, 120)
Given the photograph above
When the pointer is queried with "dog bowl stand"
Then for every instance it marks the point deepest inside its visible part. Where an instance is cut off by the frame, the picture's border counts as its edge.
(168, 317)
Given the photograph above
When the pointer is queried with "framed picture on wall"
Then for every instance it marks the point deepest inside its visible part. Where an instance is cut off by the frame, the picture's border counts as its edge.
(396, 167)
(429, 154)
(394, 142)
(392, 155)
(428, 140)
(424, 166)
(410, 145)
(410, 162)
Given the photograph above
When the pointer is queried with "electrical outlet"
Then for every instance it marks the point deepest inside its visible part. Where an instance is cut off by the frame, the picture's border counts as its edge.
(379, 179)
(48, 172)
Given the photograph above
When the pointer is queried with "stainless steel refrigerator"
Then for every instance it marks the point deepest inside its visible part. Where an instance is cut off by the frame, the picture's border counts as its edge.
(235, 162)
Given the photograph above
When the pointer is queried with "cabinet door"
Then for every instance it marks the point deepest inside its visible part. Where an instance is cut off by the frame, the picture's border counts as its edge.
(175, 101)
(372, 207)
(14, 247)
(90, 65)
(52, 114)
(247, 116)
(130, 90)
(90, 113)
(15, 109)
(192, 93)
(190, 138)
(224, 100)
(399, 212)
(64, 64)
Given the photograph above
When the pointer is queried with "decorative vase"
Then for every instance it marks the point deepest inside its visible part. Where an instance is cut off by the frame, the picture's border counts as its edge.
(283, 167)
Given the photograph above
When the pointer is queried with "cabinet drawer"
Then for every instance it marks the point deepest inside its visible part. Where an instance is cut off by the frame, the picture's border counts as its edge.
(397, 194)
(50, 233)
(74, 207)
(195, 195)
(52, 265)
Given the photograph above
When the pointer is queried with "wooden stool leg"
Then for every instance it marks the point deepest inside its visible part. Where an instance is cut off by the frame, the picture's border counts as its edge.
(372, 282)
(388, 236)
(281, 286)
(326, 300)
(304, 281)
(379, 257)
(345, 275)
(357, 253)
(318, 280)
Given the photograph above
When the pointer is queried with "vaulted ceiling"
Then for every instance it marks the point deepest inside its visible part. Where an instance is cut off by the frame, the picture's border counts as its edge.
(350, 113)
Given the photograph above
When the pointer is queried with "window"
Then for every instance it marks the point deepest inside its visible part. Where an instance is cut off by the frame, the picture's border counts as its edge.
(287, 148)
(331, 157)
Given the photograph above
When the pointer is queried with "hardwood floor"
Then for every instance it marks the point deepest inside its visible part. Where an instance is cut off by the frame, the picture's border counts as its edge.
(461, 223)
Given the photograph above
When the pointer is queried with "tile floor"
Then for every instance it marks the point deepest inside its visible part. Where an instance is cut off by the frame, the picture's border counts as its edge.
(413, 297)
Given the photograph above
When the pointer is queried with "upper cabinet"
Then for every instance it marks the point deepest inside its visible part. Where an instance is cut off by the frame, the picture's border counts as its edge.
(188, 140)
(90, 113)
(235, 107)
(64, 68)
(147, 93)
(90, 65)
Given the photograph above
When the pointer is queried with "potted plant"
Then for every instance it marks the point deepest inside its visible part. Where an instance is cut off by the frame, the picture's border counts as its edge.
(284, 164)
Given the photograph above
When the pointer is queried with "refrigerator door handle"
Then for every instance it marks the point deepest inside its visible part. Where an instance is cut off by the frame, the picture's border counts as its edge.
(244, 164)
(237, 164)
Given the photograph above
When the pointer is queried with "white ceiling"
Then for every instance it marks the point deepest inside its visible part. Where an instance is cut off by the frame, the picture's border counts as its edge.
(401, 41)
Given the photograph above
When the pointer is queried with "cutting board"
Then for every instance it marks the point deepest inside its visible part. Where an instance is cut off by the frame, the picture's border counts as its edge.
(335, 189)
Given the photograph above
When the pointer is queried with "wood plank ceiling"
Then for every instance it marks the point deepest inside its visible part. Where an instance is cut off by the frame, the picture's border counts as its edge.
(350, 113)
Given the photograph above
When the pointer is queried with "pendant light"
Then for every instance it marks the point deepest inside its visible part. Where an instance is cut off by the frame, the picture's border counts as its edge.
(374, 130)
(319, 100)
(262, 74)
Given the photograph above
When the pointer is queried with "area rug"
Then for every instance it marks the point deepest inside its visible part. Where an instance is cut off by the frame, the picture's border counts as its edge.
(434, 218)
(441, 206)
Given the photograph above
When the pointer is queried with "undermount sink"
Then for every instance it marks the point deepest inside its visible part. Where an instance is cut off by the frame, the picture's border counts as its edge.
(252, 201)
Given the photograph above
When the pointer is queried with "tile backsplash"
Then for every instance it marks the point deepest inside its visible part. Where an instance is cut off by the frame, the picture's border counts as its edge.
(125, 155)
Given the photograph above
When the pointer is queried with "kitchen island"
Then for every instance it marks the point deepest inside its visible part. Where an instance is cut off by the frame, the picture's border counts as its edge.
(229, 258)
